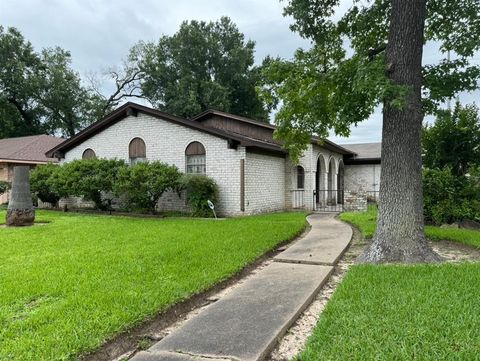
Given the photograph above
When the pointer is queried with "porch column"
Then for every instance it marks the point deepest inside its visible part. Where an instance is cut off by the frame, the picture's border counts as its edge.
(324, 188)
(333, 190)
(308, 189)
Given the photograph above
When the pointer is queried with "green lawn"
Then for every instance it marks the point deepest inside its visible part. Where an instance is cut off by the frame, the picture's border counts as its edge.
(365, 221)
(67, 286)
(402, 312)
(422, 312)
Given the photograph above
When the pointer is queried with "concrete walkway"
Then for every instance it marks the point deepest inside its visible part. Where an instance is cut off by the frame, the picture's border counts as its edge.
(245, 324)
(323, 245)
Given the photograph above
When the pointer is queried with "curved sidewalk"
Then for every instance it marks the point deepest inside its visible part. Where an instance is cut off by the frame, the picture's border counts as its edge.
(245, 324)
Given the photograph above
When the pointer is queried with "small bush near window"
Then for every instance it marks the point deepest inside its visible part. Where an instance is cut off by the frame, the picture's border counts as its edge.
(93, 179)
(44, 183)
(4, 187)
(144, 183)
(199, 189)
(449, 198)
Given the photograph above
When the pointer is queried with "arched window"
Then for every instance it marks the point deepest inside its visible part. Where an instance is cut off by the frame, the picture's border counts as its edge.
(300, 177)
(195, 158)
(137, 151)
(88, 154)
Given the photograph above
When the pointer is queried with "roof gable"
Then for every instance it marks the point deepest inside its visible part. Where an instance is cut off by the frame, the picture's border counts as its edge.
(133, 109)
(255, 127)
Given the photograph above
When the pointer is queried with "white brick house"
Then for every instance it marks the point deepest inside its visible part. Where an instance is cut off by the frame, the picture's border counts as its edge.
(363, 170)
(253, 172)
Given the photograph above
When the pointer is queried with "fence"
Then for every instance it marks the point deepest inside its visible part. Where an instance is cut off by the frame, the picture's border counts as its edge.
(328, 200)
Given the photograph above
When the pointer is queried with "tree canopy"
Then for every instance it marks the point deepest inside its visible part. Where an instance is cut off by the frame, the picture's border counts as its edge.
(344, 76)
(40, 92)
(453, 140)
(203, 65)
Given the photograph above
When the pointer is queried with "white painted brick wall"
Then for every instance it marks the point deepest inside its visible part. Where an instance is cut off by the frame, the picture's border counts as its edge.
(309, 163)
(166, 141)
(362, 177)
(269, 180)
(264, 183)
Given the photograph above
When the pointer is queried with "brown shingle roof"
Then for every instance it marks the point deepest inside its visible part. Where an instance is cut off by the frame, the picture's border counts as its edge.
(328, 144)
(133, 108)
(28, 149)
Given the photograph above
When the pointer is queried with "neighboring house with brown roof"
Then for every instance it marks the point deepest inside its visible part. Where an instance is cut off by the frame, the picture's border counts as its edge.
(28, 150)
(252, 170)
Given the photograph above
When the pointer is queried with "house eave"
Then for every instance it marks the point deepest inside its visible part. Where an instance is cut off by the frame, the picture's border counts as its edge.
(355, 161)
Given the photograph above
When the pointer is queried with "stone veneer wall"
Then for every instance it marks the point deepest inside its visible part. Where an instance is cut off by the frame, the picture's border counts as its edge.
(355, 201)
(166, 141)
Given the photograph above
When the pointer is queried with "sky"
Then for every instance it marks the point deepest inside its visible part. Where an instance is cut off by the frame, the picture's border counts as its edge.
(99, 33)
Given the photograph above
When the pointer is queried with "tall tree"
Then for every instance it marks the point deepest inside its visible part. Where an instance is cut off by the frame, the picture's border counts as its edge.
(400, 228)
(20, 69)
(40, 92)
(327, 88)
(203, 65)
(453, 140)
(67, 105)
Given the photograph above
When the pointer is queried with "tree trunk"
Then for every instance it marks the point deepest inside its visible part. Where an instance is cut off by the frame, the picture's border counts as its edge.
(400, 233)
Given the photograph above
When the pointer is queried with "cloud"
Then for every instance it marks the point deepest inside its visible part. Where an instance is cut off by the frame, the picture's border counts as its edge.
(99, 33)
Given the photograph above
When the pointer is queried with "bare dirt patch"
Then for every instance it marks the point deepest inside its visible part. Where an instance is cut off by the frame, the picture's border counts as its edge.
(456, 252)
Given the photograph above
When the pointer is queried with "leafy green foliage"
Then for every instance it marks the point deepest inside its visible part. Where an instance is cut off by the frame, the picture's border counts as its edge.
(88, 278)
(4, 187)
(44, 184)
(199, 189)
(203, 65)
(393, 312)
(453, 140)
(344, 76)
(39, 92)
(144, 183)
(93, 179)
(449, 198)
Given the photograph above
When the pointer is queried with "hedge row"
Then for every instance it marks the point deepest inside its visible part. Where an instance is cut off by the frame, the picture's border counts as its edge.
(450, 198)
(140, 186)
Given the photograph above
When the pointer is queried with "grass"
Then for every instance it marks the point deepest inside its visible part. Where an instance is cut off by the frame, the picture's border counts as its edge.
(402, 312)
(366, 222)
(69, 285)
(392, 312)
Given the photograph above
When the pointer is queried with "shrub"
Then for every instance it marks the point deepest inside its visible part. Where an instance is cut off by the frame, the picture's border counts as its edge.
(144, 183)
(43, 183)
(199, 189)
(449, 198)
(4, 187)
(93, 179)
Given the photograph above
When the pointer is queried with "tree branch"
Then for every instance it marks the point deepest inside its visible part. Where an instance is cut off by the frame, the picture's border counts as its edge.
(375, 51)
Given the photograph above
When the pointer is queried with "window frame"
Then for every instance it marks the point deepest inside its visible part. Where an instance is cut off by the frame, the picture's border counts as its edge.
(195, 158)
(89, 153)
(135, 155)
(300, 173)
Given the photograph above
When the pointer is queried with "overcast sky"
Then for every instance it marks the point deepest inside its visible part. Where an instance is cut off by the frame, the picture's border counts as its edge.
(99, 33)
